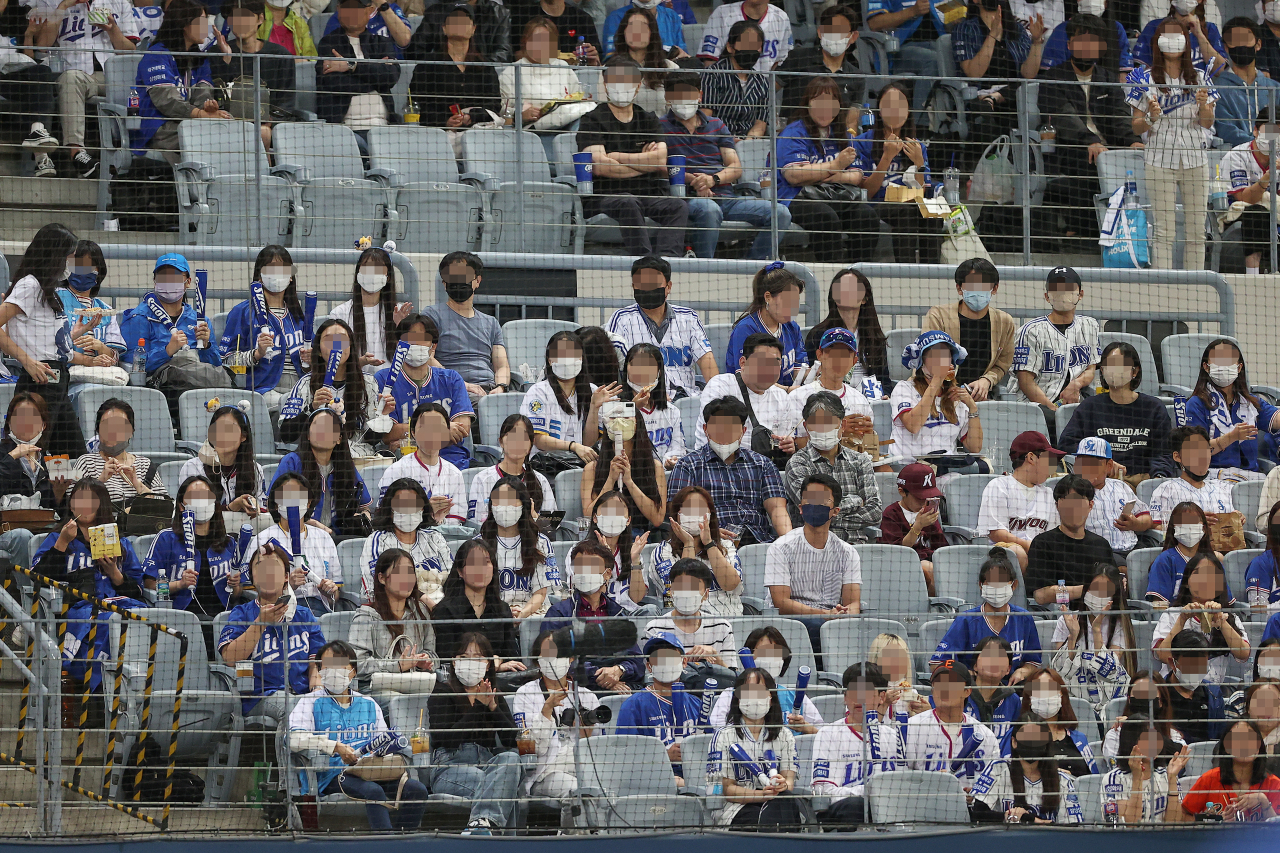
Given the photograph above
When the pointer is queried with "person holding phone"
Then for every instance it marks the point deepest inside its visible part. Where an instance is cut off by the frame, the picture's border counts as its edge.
(314, 572)
(643, 485)
(914, 520)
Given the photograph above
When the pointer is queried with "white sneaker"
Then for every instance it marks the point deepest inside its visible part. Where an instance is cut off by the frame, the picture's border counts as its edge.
(39, 138)
(44, 167)
(479, 826)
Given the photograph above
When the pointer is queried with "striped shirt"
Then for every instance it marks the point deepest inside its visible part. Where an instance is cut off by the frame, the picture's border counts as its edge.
(860, 498)
(1055, 357)
(815, 577)
(738, 103)
(1108, 503)
(1212, 496)
(713, 631)
(680, 336)
(778, 40)
(738, 490)
(120, 489)
(1177, 141)
(969, 34)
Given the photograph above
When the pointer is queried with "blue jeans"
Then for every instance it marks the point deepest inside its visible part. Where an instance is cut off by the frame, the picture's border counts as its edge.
(706, 214)
(413, 801)
(491, 781)
(917, 59)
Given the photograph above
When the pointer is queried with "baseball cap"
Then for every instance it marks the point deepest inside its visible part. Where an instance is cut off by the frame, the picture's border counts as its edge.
(1067, 274)
(838, 337)
(173, 259)
(953, 668)
(458, 9)
(919, 480)
(1033, 442)
(663, 639)
(1094, 446)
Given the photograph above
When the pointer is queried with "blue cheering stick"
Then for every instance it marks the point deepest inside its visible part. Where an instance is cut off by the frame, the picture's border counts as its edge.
(331, 369)
(397, 363)
(740, 756)
(309, 314)
(709, 688)
(295, 530)
(747, 658)
(803, 674)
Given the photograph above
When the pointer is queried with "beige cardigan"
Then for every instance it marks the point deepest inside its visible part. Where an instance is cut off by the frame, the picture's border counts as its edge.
(946, 318)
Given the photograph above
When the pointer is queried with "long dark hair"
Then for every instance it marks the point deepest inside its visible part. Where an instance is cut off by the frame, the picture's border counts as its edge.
(871, 338)
(345, 492)
(1226, 764)
(104, 515)
(1240, 388)
(642, 471)
(599, 358)
(280, 255)
(1273, 542)
(654, 56)
(92, 251)
(481, 642)
(529, 477)
(382, 515)
(282, 480)
(530, 554)
(1050, 782)
(1162, 715)
(772, 720)
(908, 130)
(217, 536)
(1184, 587)
(245, 469)
(624, 538)
(42, 408)
(386, 561)
(658, 396)
(822, 86)
(353, 394)
(1116, 617)
(386, 299)
(1206, 541)
(941, 404)
(1189, 75)
(455, 586)
(177, 17)
(46, 260)
(582, 385)
(676, 503)
(772, 280)
(739, 28)
(1066, 716)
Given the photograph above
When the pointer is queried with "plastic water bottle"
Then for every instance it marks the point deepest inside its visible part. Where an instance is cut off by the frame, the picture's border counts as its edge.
(580, 50)
(138, 372)
(1130, 191)
(162, 585)
(951, 183)
(1062, 598)
(1048, 138)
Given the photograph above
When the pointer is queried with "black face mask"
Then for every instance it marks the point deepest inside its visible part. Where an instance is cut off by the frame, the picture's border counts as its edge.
(1199, 478)
(1243, 55)
(746, 59)
(459, 291)
(1031, 750)
(650, 299)
(1083, 65)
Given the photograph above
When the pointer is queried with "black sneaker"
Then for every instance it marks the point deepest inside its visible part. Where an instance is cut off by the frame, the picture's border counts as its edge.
(84, 164)
(44, 167)
(39, 138)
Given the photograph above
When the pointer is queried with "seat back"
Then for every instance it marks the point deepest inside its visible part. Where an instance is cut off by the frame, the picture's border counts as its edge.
(415, 154)
(964, 498)
(625, 765)
(1086, 718)
(169, 476)
(1138, 567)
(896, 342)
(955, 573)
(1201, 761)
(153, 427)
(917, 796)
(1002, 422)
(1143, 636)
(494, 153)
(887, 485)
(337, 625)
(690, 408)
(1089, 793)
(752, 558)
(792, 630)
(830, 706)
(1236, 567)
(325, 150)
(1181, 355)
(1150, 382)
(847, 641)
(492, 411)
(194, 415)
(1245, 496)
(567, 486)
(224, 145)
(1147, 488)
(121, 72)
(526, 341)
(1113, 166)
(563, 149)
(718, 339)
(137, 644)
(931, 633)
(754, 154)
(1062, 417)
(408, 712)
(349, 552)
(882, 418)
(892, 584)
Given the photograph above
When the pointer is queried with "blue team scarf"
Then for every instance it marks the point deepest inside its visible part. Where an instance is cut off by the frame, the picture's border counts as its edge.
(157, 310)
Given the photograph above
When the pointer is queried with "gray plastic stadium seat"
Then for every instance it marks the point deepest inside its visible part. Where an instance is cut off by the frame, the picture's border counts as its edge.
(1150, 383)
(931, 633)
(193, 418)
(1138, 566)
(1002, 422)
(1086, 718)
(567, 487)
(793, 631)
(526, 341)
(115, 122)
(1180, 355)
(437, 212)
(1236, 567)
(304, 78)
(627, 782)
(551, 208)
(690, 408)
(882, 418)
(1147, 488)
(1245, 497)
(1143, 635)
(917, 796)
(492, 411)
(337, 626)
(955, 573)
(1062, 417)
(892, 584)
(896, 342)
(964, 500)
(846, 641)
(226, 196)
(153, 431)
(830, 706)
(338, 202)
(754, 155)
(1089, 793)
(169, 475)
(752, 558)
(718, 335)
(318, 22)
(887, 483)
(349, 552)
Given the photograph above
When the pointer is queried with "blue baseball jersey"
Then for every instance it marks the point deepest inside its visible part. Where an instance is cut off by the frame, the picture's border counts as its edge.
(970, 628)
(1003, 716)
(327, 511)
(355, 725)
(1164, 580)
(1263, 575)
(80, 558)
(304, 640)
(241, 335)
(159, 67)
(443, 386)
(670, 720)
(140, 323)
(169, 553)
(793, 351)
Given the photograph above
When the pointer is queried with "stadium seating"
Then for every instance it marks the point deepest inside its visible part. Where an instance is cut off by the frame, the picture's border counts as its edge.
(436, 211)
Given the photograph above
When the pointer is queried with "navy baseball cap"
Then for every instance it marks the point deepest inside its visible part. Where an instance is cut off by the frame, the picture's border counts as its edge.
(1067, 274)
(664, 639)
(838, 337)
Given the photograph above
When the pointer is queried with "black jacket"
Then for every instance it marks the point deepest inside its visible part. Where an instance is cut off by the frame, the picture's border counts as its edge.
(1062, 103)
(492, 38)
(454, 611)
(277, 71)
(14, 479)
(334, 90)
(807, 63)
(437, 88)
(455, 721)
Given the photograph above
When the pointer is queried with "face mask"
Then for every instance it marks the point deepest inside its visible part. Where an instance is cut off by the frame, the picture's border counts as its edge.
(335, 680)
(834, 45)
(686, 602)
(1244, 55)
(371, 282)
(1199, 478)
(771, 665)
(1117, 377)
(645, 4)
(406, 522)
(1046, 706)
(1083, 65)
(276, 283)
(585, 582)
(977, 300)
(82, 281)
(1223, 374)
(1269, 670)
(1095, 602)
(1188, 535)
(201, 508)
(170, 291)
(684, 110)
(1173, 43)
(641, 389)
(506, 515)
(825, 440)
(651, 299)
(1193, 679)
(746, 58)
(815, 515)
(458, 291)
(997, 594)
(566, 368)
(1265, 140)
(1092, 7)
(724, 451)
(1184, 7)
(114, 449)
(287, 504)
(691, 522)
(620, 94)
(1032, 750)
(612, 525)
(207, 454)
(470, 671)
(555, 669)
(666, 669)
(754, 707)
(1064, 301)
(68, 271)
(1271, 11)
(418, 355)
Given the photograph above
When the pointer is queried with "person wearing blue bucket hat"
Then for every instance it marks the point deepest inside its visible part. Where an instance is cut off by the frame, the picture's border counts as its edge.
(932, 413)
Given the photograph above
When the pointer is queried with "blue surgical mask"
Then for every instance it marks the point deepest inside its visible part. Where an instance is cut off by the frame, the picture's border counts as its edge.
(82, 281)
(977, 300)
(815, 515)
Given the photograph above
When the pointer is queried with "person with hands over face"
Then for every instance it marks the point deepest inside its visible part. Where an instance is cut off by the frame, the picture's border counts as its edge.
(1136, 791)
(402, 522)
(1202, 607)
(526, 565)
(826, 454)
(769, 651)
(983, 332)
(991, 701)
(990, 46)
(23, 470)
(933, 414)
(664, 709)
(915, 519)
(1096, 649)
(394, 642)
(373, 327)
(470, 341)
(1225, 406)
(946, 738)
(439, 478)
(1028, 787)
(226, 460)
(611, 518)
(1240, 788)
(646, 378)
(1054, 356)
(419, 382)
(1018, 507)
(564, 407)
(473, 600)
(1063, 559)
(352, 87)
(775, 302)
(315, 573)
(696, 534)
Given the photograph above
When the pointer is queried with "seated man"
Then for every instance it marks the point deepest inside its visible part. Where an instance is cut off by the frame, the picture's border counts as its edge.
(384, 19)
(931, 739)
(1065, 556)
(1018, 507)
(835, 55)
(419, 382)
(914, 520)
(1054, 356)
(492, 39)
(711, 168)
(1117, 515)
(758, 370)
(342, 77)
(709, 646)
(985, 333)
(1243, 91)
(850, 469)
(837, 355)
(1249, 167)
(1191, 453)
(665, 709)
(470, 341)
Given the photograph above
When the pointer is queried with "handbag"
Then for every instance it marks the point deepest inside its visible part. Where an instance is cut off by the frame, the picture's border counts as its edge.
(761, 436)
(830, 192)
(38, 520)
(549, 463)
(993, 176)
(236, 97)
(962, 241)
(380, 768)
(1129, 250)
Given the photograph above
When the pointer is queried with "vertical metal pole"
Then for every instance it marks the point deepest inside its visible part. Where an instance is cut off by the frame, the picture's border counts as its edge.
(1024, 201)
(773, 165)
(257, 166)
(1271, 170)
(519, 125)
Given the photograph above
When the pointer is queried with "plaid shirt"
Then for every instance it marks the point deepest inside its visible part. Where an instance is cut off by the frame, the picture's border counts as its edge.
(969, 34)
(738, 490)
(860, 503)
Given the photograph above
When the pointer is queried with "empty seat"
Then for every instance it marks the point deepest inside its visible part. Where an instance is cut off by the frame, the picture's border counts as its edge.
(964, 499)
(437, 212)
(627, 782)
(526, 341)
(227, 196)
(917, 796)
(526, 210)
(492, 411)
(847, 641)
(1002, 422)
(115, 121)
(892, 584)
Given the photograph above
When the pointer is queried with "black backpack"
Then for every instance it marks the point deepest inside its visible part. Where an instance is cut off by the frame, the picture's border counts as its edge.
(144, 196)
(187, 786)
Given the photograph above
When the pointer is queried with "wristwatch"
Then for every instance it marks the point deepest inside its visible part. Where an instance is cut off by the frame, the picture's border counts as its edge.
(715, 179)
(504, 386)
(383, 8)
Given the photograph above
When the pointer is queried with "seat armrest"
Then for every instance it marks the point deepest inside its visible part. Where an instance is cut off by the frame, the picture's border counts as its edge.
(967, 532)
(225, 674)
(193, 447)
(1256, 539)
(567, 180)
(586, 791)
(386, 177)
(292, 171)
(479, 178)
(108, 108)
(1176, 390)
(747, 188)
(946, 601)
(196, 170)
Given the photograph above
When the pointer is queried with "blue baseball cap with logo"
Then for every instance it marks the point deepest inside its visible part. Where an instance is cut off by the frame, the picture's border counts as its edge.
(173, 259)
(838, 337)
(663, 639)
(1099, 447)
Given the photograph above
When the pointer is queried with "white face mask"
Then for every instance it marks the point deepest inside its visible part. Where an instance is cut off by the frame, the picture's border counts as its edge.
(470, 671)
(825, 440)
(686, 602)
(620, 94)
(201, 508)
(1095, 602)
(1172, 43)
(771, 664)
(1271, 11)
(566, 368)
(691, 521)
(586, 582)
(1046, 706)
(1184, 7)
(371, 282)
(1117, 377)
(335, 679)
(1271, 670)
(1091, 7)
(833, 44)
(1188, 535)
(206, 453)
(683, 109)
(1223, 375)
(754, 707)
(506, 515)
(1193, 679)
(276, 283)
(417, 355)
(286, 503)
(666, 669)
(555, 669)
(997, 594)
(724, 451)
(1063, 301)
(645, 4)
(406, 521)
(68, 271)
(612, 525)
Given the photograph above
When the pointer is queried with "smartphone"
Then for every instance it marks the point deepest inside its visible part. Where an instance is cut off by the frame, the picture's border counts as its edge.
(549, 521)
(617, 409)
(932, 504)
(454, 109)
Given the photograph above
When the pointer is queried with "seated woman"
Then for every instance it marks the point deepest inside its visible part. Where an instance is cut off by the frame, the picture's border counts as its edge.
(638, 36)
(636, 474)
(323, 458)
(1186, 535)
(611, 527)
(1202, 606)
(731, 90)
(226, 460)
(238, 57)
(891, 653)
(1046, 696)
(1262, 705)
(997, 580)
(755, 723)
(526, 565)
(1028, 787)
(456, 91)
(770, 652)
(1223, 404)
(932, 413)
(394, 642)
(1148, 698)
(600, 357)
(402, 522)
(98, 343)
(336, 722)
(695, 533)
(1136, 791)
(515, 439)
(1262, 582)
(315, 573)
(373, 327)
(546, 81)
(473, 601)
(1240, 788)
(646, 377)
(564, 406)
(257, 631)
(126, 475)
(851, 304)
(24, 441)
(1096, 649)
(473, 738)
(992, 47)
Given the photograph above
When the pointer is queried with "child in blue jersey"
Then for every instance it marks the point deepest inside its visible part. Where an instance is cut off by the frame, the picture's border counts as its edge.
(997, 579)
(270, 631)
(339, 726)
(96, 341)
(416, 381)
(323, 458)
(774, 304)
(664, 709)
(991, 701)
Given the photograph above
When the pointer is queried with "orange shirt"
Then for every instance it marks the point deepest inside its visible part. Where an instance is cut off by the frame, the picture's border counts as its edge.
(1207, 796)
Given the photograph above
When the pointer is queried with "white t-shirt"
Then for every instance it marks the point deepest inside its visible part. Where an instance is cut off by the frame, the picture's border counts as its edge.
(937, 434)
(1024, 511)
(318, 552)
(773, 407)
(193, 467)
(1212, 496)
(544, 411)
(683, 343)
(666, 432)
(816, 578)
(38, 329)
(554, 743)
(1108, 503)
(518, 588)
(375, 337)
(443, 478)
(482, 485)
(854, 403)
